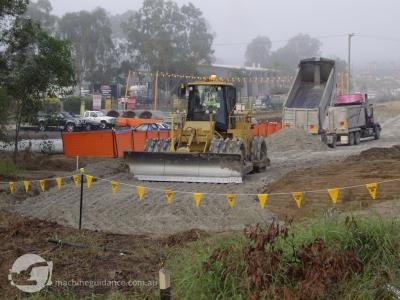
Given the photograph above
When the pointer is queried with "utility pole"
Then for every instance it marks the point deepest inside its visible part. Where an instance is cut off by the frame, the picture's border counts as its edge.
(126, 90)
(350, 35)
(155, 92)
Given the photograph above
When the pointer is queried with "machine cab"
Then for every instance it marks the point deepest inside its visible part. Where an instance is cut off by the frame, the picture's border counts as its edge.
(215, 98)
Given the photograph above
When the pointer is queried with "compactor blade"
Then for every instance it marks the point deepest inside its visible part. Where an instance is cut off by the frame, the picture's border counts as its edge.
(186, 167)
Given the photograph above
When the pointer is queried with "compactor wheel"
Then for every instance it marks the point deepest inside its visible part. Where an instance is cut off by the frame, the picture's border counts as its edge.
(157, 145)
(259, 156)
(227, 146)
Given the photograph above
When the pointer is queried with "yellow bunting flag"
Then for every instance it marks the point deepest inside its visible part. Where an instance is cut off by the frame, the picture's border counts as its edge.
(231, 200)
(372, 189)
(333, 194)
(89, 180)
(298, 197)
(262, 198)
(197, 198)
(169, 195)
(11, 186)
(140, 191)
(114, 187)
(59, 182)
(75, 178)
(42, 184)
(26, 185)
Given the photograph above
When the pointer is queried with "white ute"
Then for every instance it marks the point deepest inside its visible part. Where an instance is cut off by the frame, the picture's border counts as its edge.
(100, 118)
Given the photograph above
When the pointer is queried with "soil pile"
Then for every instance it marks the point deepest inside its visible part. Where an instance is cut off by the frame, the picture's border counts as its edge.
(378, 154)
(294, 139)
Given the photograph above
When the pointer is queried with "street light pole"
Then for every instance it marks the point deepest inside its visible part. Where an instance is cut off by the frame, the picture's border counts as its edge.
(350, 35)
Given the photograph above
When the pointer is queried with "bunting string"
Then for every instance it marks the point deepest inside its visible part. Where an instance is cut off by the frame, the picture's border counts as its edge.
(298, 196)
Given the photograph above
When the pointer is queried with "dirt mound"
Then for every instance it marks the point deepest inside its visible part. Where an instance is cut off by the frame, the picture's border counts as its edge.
(377, 154)
(294, 139)
(186, 237)
(96, 256)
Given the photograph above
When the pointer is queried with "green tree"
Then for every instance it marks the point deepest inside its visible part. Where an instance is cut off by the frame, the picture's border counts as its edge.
(36, 65)
(258, 51)
(93, 48)
(298, 47)
(165, 37)
(40, 12)
(12, 7)
(4, 111)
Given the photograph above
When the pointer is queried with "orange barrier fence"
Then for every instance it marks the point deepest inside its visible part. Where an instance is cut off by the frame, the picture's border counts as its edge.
(123, 142)
(93, 143)
(114, 143)
(266, 129)
(133, 122)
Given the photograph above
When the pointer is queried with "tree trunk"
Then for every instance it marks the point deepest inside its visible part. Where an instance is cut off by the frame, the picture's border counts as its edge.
(17, 128)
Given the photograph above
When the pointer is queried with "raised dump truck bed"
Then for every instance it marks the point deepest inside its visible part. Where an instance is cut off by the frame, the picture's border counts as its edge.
(312, 92)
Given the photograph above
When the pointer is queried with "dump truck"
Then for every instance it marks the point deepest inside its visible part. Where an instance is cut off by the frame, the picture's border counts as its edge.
(212, 144)
(350, 119)
(313, 91)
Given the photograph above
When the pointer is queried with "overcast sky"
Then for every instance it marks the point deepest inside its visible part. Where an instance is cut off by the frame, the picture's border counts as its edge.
(235, 23)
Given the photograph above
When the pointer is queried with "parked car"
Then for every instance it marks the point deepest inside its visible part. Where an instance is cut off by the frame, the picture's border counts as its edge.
(152, 127)
(61, 121)
(100, 118)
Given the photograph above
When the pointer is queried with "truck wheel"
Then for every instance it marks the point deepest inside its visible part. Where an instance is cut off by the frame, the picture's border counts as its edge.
(334, 140)
(103, 125)
(88, 127)
(377, 134)
(351, 139)
(70, 127)
(42, 126)
(357, 138)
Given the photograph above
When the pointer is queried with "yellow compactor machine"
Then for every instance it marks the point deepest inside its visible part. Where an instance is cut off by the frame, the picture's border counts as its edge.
(212, 144)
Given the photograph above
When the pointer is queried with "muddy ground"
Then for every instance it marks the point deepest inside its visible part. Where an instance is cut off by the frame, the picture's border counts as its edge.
(147, 227)
(104, 256)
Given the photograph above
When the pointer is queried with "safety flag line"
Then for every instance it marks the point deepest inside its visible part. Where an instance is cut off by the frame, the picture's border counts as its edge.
(249, 194)
(38, 180)
(28, 183)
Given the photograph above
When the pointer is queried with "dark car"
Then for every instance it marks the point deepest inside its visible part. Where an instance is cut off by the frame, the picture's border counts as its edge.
(61, 121)
(152, 127)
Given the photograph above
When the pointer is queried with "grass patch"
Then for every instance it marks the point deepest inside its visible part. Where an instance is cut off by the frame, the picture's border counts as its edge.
(7, 168)
(328, 259)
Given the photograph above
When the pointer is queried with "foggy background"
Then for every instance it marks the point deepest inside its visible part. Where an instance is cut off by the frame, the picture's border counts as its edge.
(236, 23)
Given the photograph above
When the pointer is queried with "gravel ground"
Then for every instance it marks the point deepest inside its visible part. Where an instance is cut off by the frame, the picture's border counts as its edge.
(123, 213)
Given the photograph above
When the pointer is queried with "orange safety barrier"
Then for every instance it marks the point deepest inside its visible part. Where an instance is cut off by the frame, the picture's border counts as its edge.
(151, 134)
(94, 143)
(266, 129)
(164, 134)
(133, 122)
(271, 128)
(254, 130)
(113, 144)
(139, 140)
(262, 129)
(124, 142)
(121, 121)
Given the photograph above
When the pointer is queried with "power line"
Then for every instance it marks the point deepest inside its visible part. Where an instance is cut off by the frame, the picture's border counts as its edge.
(382, 38)
(278, 41)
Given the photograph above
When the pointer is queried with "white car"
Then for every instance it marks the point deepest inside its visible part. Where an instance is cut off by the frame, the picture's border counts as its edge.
(99, 117)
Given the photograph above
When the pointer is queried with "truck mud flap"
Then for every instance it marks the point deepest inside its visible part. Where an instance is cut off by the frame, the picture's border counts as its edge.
(187, 167)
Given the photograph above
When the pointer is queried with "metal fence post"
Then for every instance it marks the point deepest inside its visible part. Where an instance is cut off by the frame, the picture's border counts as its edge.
(81, 200)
